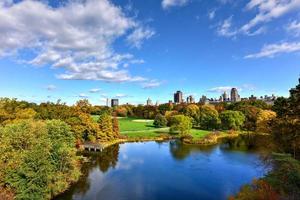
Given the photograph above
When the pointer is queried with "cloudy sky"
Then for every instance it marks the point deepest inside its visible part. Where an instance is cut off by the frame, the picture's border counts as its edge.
(132, 49)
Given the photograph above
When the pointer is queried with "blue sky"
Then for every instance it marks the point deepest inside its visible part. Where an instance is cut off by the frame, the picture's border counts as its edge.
(133, 50)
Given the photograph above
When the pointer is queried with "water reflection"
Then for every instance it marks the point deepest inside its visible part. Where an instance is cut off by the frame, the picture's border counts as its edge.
(168, 170)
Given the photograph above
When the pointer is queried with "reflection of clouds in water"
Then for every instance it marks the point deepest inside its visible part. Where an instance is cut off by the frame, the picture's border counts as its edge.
(129, 164)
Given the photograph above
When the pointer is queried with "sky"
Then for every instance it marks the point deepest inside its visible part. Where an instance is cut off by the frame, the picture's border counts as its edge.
(133, 49)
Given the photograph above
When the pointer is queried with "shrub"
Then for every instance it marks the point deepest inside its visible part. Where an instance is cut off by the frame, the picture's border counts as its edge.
(160, 121)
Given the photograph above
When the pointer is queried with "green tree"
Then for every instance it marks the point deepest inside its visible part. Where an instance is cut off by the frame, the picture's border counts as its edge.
(281, 106)
(232, 119)
(208, 118)
(160, 121)
(181, 124)
(37, 158)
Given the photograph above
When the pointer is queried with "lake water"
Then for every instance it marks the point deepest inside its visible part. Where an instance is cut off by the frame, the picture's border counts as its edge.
(166, 170)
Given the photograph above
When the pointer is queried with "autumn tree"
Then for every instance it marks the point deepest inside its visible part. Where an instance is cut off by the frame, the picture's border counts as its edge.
(264, 119)
(105, 125)
(115, 124)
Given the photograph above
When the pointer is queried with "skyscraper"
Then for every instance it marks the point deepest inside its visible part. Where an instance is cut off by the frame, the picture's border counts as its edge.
(108, 102)
(178, 97)
(190, 99)
(114, 102)
(225, 96)
(234, 95)
(149, 102)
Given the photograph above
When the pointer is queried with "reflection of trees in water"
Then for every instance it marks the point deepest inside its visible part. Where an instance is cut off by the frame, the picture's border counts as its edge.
(180, 151)
(104, 160)
(108, 157)
(244, 142)
(248, 142)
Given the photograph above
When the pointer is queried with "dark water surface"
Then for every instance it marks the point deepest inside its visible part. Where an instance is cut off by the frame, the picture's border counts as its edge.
(166, 170)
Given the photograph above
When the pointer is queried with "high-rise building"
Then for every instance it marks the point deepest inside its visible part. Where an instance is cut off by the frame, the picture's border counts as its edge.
(114, 102)
(178, 97)
(190, 99)
(225, 96)
(108, 102)
(149, 102)
(234, 95)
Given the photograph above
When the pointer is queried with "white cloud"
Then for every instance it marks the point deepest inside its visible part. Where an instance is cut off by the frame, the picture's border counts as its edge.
(272, 50)
(220, 89)
(269, 10)
(294, 27)
(225, 28)
(151, 84)
(136, 38)
(95, 90)
(51, 87)
(122, 95)
(82, 95)
(171, 3)
(77, 37)
(212, 14)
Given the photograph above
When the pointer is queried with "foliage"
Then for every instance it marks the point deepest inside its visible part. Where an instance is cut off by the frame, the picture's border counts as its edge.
(264, 119)
(286, 127)
(116, 129)
(232, 119)
(105, 125)
(121, 111)
(258, 190)
(160, 121)
(163, 108)
(208, 118)
(181, 124)
(280, 106)
(251, 113)
(37, 159)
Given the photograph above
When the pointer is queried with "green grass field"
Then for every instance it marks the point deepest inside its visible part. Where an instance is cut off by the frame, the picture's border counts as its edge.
(138, 128)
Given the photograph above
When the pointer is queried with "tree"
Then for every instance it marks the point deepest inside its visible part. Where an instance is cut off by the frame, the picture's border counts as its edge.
(116, 129)
(191, 110)
(163, 108)
(121, 111)
(37, 158)
(280, 106)
(286, 127)
(251, 113)
(105, 125)
(181, 124)
(208, 118)
(84, 106)
(264, 119)
(160, 121)
(232, 119)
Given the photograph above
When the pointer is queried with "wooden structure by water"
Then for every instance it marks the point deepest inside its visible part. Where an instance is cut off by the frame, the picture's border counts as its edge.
(89, 146)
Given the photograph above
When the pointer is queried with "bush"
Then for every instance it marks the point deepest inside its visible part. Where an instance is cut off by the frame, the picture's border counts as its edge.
(160, 121)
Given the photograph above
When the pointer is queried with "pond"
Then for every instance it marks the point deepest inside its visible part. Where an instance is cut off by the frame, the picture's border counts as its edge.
(167, 170)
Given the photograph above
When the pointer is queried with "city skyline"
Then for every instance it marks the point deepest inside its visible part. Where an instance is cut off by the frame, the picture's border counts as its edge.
(151, 49)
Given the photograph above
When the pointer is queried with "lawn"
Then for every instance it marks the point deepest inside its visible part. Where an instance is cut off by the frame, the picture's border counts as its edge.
(138, 128)
(197, 133)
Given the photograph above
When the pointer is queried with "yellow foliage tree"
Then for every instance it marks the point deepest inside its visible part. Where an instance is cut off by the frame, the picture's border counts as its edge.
(264, 118)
